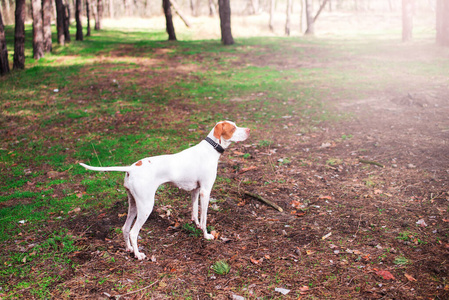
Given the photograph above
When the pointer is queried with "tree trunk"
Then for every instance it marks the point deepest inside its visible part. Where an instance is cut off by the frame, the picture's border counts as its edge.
(6, 12)
(79, 26)
(128, 6)
(224, 9)
(407, 20)
(38, 33)
(302, 16)
(67, 23)
(19, 36)
(271, 22)
(88, 17)
(99, 14)
(287, 22)
(212, 8)
(178, 12)
(309, 19)
(46, 17)
(194, 5)
(4, 64)
(60, 22)
(255, 6)
(442, 23)
(111, 8)
(169, 20)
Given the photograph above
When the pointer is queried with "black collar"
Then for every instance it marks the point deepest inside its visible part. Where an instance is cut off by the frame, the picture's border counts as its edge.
(216, 146)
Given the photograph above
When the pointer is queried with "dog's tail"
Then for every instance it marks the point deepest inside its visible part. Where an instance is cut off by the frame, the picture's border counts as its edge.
(107, 169)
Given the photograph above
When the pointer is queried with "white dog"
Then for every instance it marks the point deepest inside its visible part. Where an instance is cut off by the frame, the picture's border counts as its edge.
(193, 169)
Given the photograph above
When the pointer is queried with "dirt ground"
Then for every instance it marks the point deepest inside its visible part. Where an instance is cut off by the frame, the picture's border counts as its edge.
(365, 215)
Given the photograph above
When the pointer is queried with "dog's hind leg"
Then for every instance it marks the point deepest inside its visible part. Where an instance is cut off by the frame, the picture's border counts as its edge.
(144, 203)
(132, 213)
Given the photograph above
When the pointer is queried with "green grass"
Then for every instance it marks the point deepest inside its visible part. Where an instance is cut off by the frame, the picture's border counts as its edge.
(221, 267)
(84, 102)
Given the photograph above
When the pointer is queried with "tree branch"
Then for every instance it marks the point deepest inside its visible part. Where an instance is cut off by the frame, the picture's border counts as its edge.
(319, 11)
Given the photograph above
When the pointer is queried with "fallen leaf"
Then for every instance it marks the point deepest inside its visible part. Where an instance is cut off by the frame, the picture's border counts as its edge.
(296, 204)
(76, 210)
(303, 289)
(215, 234)
(421, 222)
(378, 192)
(282, 291)
(385, 275)
(409, 277)
(322, 197)
(238, 153)
(255, 261)
(310, 252)
(326, 236)
(243, 170)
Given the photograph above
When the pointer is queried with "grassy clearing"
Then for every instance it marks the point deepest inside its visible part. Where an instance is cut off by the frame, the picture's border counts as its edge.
(120, 96)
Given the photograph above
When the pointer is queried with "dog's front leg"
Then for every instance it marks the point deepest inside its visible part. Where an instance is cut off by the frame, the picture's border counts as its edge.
(205, 194)
(195, 196)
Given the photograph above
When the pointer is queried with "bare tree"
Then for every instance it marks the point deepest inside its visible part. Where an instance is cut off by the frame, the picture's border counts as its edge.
(254, 6)
(194, 7)
(19, 36)
(67, 23)
(46, 18)
(99, 14)
(407, 20)
(88, 17)
(224, 9)
(79, 26)
(169, 20)
(4, 64)
(6, 12)
(38, 33)
(311, 20)
(212, 8)
(60, 22)
(271, 22)
(442, 23)
(287, 22)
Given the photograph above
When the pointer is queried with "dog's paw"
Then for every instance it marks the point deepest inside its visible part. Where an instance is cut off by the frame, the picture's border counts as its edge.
(208, 236)
(129, 249)
(140, 256)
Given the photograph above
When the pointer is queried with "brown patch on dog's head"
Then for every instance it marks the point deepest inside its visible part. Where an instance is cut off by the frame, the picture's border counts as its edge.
(225, 130)
(139, 163)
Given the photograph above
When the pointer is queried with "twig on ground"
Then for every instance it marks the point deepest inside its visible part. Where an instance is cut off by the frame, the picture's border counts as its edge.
(266, 201)
(133, 292)
(370, 162)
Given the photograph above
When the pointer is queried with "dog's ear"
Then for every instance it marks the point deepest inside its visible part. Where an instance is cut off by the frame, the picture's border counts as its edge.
(228, 130)
(218, 130)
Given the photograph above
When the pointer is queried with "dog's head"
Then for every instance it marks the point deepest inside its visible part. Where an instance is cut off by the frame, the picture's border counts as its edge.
(226, 132)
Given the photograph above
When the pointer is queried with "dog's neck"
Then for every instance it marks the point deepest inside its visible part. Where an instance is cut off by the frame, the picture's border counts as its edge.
(222, 143)
(216, 145)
